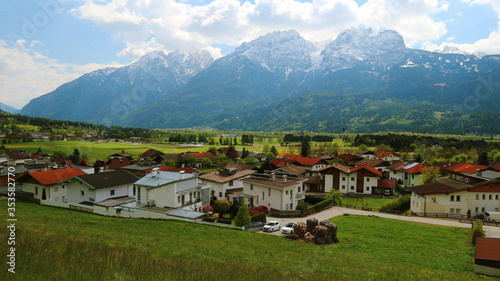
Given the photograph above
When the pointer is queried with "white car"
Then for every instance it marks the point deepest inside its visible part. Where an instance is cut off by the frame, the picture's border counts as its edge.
(271, 226)
(288, 228)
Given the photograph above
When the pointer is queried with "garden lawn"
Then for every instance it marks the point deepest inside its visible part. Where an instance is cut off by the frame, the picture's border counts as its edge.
(60, 244)
(367, 202)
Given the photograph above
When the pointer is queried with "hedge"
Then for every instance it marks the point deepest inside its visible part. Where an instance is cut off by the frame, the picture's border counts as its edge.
(323, 205)
(259, 217)
(226, 221)
(402, 204)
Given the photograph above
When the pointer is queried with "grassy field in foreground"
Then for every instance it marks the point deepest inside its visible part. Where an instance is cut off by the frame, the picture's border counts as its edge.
(59, 244)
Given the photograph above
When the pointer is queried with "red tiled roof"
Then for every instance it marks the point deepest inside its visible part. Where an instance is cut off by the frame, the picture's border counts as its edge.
(118, 163)
(55, 176)
(347, 157)
(385, 153)
(397, 165)
(466, 168)
(145, 153)
(161, 168)
(69, 162)
(308, 161)
(497, 167)
(289, 156)
(415, 169)
(278, 162)
(337, 166)
(368, 168)
(386, 184)
(188, 170)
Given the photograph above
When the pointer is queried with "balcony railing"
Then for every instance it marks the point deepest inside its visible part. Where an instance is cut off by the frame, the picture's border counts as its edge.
(300, 196)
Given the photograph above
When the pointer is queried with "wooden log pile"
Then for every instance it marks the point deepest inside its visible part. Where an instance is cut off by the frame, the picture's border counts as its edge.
(321, 233)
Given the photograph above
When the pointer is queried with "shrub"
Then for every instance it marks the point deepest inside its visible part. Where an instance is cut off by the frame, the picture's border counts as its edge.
(313, 200)
(223, 220)
(477, 230)
(207, 208)
(323, 205)
(221, 207)
(243, 217)
(208, 219)
(259, 217)
(233, 210)
(302, 207)
(402, 204)
(336, 196)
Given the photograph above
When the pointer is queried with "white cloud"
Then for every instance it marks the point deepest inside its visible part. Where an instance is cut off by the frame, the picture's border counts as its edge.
(179, 25)
(26, 73)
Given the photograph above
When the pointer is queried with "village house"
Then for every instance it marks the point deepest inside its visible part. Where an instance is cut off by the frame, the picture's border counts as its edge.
(11, 174)
(413, 174)
(348, 159)
(367, 154)
(199, 156)
(100, 186)
(467, 172)
(395, 172)
(34, 165)
(227, 179)
(49, 185)
(356, 180)
(122, 154)
(152, 154)
(172, 190)
(279, 192)
(387, 156)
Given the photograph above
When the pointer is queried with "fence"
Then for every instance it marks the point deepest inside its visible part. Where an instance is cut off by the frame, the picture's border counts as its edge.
(439, 215)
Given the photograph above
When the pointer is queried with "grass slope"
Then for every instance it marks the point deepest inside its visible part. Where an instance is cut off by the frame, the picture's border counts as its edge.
(59, 244)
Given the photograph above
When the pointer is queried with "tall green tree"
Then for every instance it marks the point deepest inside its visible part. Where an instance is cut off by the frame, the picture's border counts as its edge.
(483, 159)
(243, 217)
(305, 147)
(274, 151)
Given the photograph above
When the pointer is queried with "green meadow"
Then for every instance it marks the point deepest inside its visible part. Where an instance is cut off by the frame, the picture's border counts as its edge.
(60, 244)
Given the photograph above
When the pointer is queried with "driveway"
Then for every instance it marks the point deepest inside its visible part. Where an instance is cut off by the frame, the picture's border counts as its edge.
(491, 231)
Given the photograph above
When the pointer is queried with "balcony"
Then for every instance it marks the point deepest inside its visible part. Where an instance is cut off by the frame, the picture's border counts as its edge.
(300, 196)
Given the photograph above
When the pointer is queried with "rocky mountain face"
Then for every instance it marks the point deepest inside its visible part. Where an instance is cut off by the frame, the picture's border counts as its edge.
(264, 76)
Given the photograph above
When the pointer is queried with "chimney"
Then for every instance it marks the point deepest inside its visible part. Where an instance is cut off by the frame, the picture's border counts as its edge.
(479, 172)
(284, 178)
(181, 175)
(155, 172)
(273, 176)
(183, 165)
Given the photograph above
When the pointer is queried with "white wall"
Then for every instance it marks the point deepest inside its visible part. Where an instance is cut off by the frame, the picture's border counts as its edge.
(120, 190)
(273, 197)
(328, 182)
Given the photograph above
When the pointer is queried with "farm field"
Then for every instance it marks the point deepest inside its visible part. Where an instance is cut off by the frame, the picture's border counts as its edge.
(59, 244)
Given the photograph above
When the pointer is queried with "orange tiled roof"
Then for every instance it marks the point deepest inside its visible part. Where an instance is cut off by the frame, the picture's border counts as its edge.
(466, 168)
(55, 176)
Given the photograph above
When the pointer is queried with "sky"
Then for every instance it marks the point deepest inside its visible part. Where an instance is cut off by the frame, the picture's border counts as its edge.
(46, 43)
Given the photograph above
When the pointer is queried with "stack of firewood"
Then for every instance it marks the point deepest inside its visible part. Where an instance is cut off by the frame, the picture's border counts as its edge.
(324, 232)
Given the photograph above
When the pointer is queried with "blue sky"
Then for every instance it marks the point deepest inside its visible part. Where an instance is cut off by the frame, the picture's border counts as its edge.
(45, 43)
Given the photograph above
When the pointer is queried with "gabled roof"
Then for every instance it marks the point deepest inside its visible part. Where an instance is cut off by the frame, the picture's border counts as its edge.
(385, 153)
(160, 168)
(466, 168)
(414, 168)
(441, 185)
(117, 163)
(220, 177)
(372, 162)
(237, 166)
(309, 161)
(56, 176)
(397, 165)
(289, 156)
(292, 169)
(364, 167)
(348, 157)
(108, 179)
(337, 166)
(279, 162)
(200, 155)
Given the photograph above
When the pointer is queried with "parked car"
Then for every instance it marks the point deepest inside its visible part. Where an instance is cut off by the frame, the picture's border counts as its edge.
(288, 228)
(261, 208)
(271, 226)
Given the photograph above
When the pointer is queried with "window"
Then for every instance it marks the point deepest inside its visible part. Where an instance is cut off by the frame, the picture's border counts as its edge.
(220, 194)
(56, 188)
(286, 192)
(458, 198)
(178, 199)
(367, 179)
(452, 210)
(82, 193)
(367, 188)
(291, 206)
(343, 178)
(490, 197)
(299, 189)
(36, 190)
(394, 172)
(352, 187)
(111, 192)
(484, 197)
(133, 190)
(477, 196)
(457, 211)
(91, 199)
(477, 210)
(263, 195)
(269, 193)
(251, 187)
(63, 186)
(482, 209)
(452, 198)
(352, 178)
(496, 197)
(343, 186)
(231, 183)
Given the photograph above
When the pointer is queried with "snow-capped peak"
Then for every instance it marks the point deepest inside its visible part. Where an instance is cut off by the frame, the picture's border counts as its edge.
(278, 50)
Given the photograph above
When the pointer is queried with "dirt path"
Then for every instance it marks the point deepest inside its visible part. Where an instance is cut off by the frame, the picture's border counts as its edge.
(491, 231)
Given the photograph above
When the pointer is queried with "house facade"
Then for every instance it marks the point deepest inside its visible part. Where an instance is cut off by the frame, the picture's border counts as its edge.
(49, 185)
(273, 191)
(100, 186)
(172, 190)
(225, 179)
(359, 179)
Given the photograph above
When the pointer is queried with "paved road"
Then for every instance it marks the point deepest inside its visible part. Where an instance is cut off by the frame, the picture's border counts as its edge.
(491, 231)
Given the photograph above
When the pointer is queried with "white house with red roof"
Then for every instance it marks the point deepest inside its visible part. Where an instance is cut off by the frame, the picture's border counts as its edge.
(360, 179)
(387, 155)
(413, 174)
(49, 185)
(279, 192)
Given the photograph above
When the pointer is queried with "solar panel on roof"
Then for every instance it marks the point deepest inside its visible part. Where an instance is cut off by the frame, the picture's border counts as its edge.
(410, 166)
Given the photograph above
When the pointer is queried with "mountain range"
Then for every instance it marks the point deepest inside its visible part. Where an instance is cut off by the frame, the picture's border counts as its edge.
(363, 81)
